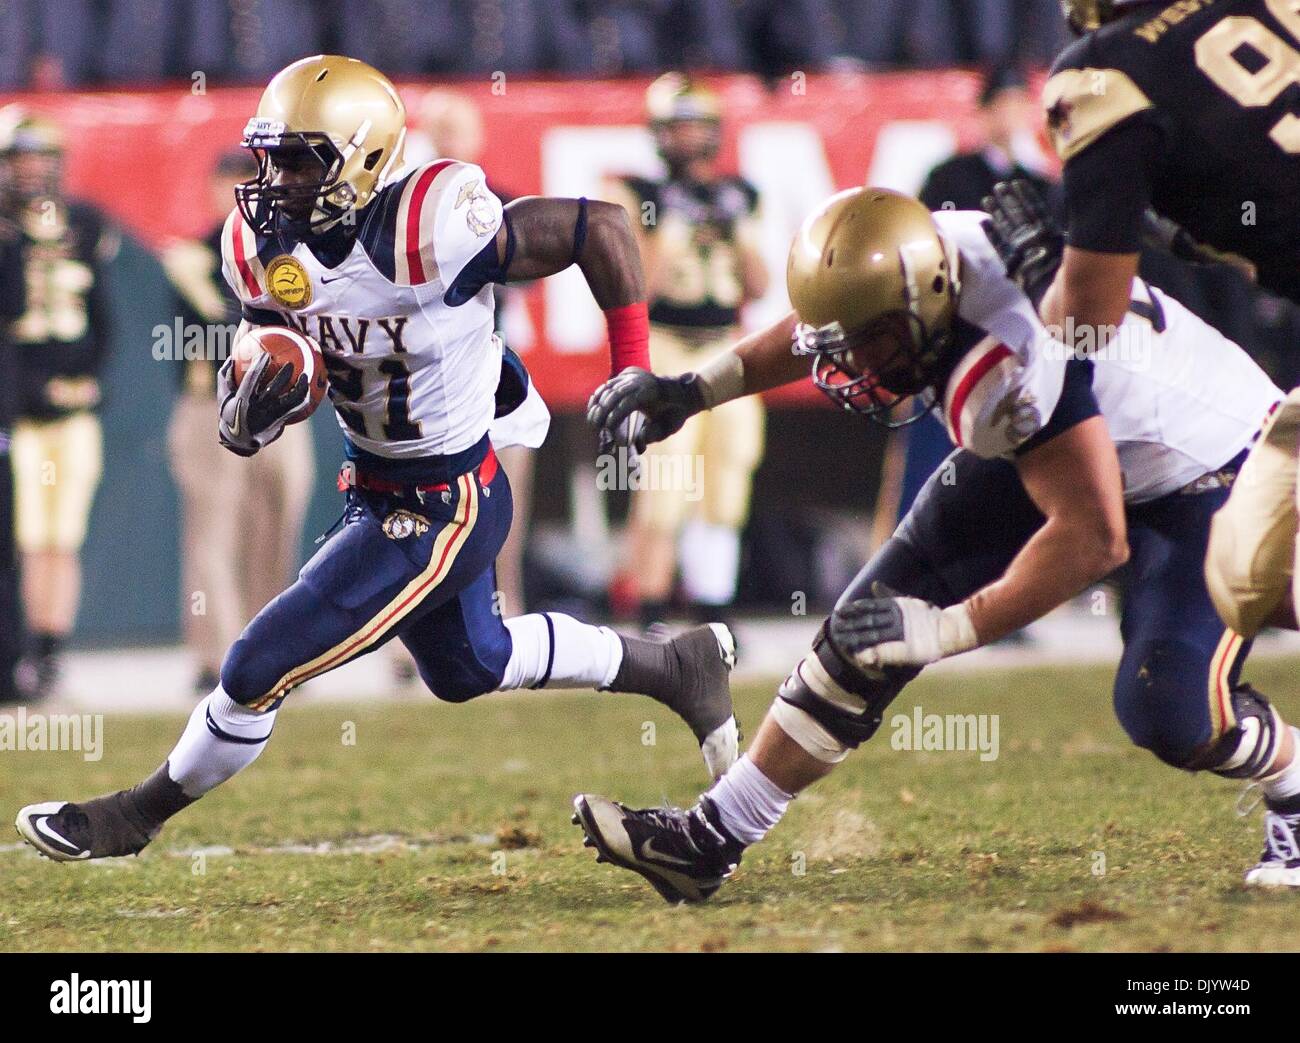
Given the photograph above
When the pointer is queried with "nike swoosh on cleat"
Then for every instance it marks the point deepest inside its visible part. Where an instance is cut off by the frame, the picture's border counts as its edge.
(41, 827)
(648, 851)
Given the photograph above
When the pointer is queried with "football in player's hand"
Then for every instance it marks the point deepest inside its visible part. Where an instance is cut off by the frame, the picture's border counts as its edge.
(286, 346)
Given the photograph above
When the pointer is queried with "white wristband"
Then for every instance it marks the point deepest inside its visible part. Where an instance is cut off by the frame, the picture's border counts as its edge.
(956, 631)
(721, 379)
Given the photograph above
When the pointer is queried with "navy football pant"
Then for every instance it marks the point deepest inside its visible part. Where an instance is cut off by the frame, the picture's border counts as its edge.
(397, 568)
(1173, 687)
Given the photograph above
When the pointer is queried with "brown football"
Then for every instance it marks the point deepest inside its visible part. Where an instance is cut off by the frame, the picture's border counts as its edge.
(286, 346)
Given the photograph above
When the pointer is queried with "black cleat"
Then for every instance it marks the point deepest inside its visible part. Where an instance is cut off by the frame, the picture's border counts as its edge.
(101, 828)
(690, 674)
(685, 855)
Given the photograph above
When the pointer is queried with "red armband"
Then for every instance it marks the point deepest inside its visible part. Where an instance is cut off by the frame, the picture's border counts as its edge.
(629, 336)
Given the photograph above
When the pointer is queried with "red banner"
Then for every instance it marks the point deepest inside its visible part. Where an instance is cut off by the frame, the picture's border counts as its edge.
(145, 156)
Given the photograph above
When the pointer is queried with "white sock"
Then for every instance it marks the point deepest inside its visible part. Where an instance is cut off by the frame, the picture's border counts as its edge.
(552, 650)
(748, 802)
(1285, 784)
(221, 739)
(710, 558)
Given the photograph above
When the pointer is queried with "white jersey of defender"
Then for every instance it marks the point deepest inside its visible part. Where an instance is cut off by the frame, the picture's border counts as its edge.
(411, 376)
(1178, 403)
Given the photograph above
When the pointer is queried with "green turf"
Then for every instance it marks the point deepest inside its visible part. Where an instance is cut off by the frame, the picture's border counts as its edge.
(898, 850)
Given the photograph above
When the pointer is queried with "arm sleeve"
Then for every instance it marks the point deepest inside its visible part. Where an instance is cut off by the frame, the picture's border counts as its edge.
(1108, 188)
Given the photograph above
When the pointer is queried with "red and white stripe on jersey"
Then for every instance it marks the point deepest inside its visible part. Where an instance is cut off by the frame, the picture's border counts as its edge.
(444, 217)
(989, 406)
(243, 271)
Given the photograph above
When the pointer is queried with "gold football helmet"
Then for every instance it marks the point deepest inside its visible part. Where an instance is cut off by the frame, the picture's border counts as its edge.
(673, 100)
(875, 286)
(1086, 15)
(31, 155)
(338, 125)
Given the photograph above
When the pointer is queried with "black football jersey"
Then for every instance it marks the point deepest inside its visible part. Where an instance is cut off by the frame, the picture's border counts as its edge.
(1192, 107)
(695, 227)
(63, 330)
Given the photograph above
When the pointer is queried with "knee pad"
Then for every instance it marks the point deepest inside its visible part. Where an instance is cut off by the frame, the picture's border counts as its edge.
(243, 681)
(1250, 746)
(845, 701)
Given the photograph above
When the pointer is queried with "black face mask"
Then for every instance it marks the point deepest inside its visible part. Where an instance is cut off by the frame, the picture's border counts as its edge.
(298, 210)
(918, 362)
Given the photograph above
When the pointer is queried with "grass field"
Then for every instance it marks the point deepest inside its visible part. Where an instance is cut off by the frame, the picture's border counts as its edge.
(447, 828)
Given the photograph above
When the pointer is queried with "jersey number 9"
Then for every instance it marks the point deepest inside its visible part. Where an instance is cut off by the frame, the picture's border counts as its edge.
(1258, 85)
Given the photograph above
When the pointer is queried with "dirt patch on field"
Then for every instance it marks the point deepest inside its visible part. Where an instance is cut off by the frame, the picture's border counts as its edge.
(1086, 911)
(844, 834)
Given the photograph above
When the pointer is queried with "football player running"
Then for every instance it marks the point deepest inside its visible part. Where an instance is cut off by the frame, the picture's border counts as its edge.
(391, 272)
(1066, 468)
(1186, 108)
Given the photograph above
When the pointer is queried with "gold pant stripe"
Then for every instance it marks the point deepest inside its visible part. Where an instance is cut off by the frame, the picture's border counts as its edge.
(1221, 664)
(446, 546)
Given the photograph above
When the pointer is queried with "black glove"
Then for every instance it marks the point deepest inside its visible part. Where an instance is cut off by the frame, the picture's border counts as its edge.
(1026, 237)
(666, 403)
(252, 416)
(1165, 234)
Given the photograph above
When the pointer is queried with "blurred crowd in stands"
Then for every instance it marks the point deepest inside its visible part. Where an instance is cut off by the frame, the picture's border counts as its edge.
(54, 44)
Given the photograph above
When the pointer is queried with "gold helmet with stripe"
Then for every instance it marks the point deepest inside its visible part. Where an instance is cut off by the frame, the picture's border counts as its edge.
(875, 287)
(685, 118)
(328, 135)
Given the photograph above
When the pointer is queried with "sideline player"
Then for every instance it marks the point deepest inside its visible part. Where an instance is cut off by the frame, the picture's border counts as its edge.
(697, 229)
(892, 301)
(393, 278)
(61, 343)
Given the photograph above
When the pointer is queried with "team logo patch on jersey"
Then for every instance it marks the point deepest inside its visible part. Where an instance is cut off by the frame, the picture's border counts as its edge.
(1020, 413)
(401, 524)
(288, 282)
(479, 216)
